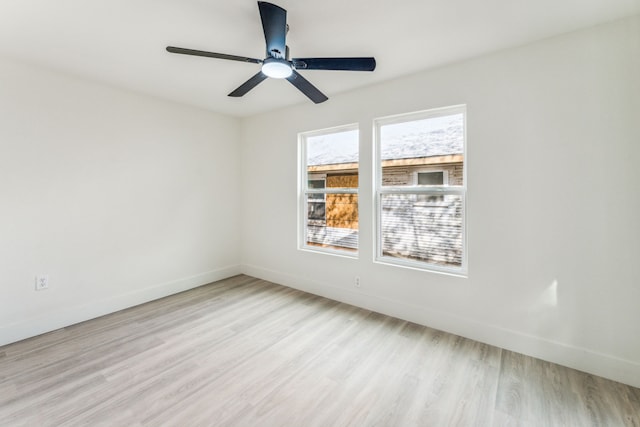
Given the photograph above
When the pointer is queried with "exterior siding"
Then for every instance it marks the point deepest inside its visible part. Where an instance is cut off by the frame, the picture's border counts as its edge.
(430, 232)
(403, 175)
(342, 209)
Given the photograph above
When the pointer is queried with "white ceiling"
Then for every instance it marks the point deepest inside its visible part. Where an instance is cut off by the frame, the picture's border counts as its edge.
(122, 42)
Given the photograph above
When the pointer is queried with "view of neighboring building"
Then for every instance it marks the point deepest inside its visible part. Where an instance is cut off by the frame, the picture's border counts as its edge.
(332, 217)
(418, 226)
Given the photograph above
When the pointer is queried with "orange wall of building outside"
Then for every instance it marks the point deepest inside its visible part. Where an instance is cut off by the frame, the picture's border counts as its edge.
(342, 209)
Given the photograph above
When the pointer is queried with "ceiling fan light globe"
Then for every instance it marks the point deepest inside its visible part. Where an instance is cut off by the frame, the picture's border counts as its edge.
(277, 69)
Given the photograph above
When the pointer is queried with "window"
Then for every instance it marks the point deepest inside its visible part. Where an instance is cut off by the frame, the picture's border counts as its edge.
(438, 177)
(316, 212)
(420, 190)
(328, 209)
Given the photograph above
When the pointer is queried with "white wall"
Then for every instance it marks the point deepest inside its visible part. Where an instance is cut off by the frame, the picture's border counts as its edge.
(553, 201)
(118, 197)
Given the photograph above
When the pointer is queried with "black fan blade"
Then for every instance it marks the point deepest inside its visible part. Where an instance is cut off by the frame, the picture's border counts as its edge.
(307, 88)
(183, 51)
(274, 24)
(345, 64)
(249, 84)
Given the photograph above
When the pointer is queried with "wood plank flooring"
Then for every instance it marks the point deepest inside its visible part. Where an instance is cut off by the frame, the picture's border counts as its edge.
(245, 352)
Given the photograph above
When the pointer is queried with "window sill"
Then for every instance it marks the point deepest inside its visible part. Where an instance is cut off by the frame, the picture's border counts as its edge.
(343, 253)
(460, 272)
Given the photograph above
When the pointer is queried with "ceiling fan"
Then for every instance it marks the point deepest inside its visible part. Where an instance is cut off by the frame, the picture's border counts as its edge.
(277, 63)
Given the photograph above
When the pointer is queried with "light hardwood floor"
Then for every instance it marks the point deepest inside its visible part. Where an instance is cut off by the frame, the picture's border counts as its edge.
(245, 352)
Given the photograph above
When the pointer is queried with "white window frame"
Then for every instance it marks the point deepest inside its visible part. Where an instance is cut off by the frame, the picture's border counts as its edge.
(304, 191)
(379, 189)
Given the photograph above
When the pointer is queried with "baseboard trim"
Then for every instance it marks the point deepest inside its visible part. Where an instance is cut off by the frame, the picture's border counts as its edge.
(592, 362)
(67, 316)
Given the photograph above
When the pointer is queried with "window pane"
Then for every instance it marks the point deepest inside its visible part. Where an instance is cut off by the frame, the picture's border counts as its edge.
(340, 228)
(430, 178)
(429, 232)
(434, 142)
(316, 211)
(331, 163)
(316, 183)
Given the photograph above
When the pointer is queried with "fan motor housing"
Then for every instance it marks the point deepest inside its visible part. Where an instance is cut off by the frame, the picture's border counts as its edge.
(277, 68)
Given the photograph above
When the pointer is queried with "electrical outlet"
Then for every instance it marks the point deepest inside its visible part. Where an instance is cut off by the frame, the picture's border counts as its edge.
(356, 282)
(42, 283)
